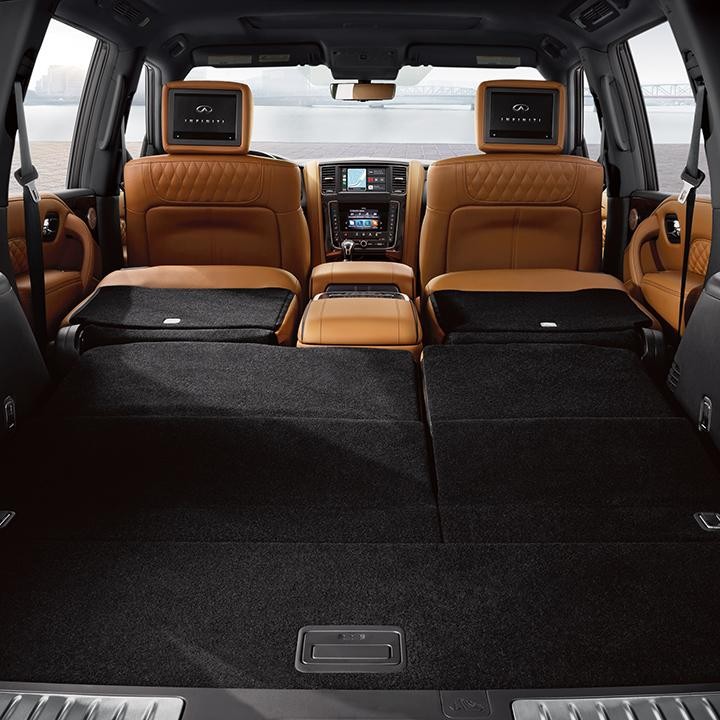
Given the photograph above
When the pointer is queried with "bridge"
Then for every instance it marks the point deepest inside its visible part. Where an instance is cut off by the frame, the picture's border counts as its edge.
(658, 94)
(664, 91)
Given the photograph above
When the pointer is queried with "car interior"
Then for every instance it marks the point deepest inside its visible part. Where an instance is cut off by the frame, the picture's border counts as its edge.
(314, 408)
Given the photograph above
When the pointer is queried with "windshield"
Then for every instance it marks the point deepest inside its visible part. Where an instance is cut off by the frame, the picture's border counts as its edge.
(431, 117)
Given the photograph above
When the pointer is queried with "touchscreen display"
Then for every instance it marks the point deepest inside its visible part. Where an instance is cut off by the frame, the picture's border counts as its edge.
(365, 219)
(521, 116)
(357, 179)
(206, 117)
(365, 179)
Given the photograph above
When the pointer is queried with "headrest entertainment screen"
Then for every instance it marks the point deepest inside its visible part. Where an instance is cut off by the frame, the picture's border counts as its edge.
(198, 117)
(523, 117)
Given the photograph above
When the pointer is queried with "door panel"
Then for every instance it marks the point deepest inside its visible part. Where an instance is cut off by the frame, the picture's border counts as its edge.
(70, 256)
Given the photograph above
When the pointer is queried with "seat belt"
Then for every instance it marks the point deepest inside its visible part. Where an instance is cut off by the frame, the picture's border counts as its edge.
(692, 178)
(26, 177)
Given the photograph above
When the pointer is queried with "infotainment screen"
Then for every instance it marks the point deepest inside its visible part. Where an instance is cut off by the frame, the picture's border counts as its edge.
(357, 178)
(202, 118)
(364, 179)
(523, 117)
(364, 219)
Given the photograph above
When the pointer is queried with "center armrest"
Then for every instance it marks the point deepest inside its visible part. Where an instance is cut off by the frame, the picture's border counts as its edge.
(363, 273)
(364, 320)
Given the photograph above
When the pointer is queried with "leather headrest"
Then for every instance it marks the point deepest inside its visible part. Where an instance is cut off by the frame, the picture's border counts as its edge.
(205, 119)
(515, 97)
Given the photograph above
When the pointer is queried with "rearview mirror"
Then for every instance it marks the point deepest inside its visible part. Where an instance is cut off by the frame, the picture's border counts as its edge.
(362, 92)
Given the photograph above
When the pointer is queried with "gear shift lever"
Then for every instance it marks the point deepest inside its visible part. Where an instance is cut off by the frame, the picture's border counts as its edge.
(347, 248)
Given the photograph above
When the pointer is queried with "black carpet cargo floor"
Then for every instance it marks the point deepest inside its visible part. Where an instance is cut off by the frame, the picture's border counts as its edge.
(483, 616)
(191, 508)
(548, 443)
(182, 441)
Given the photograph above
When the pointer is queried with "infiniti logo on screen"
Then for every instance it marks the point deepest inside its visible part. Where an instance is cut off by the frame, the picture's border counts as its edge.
(521, 116)
(204, 111)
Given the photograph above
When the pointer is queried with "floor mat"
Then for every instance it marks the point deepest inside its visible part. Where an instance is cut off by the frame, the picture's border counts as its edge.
(227, 615)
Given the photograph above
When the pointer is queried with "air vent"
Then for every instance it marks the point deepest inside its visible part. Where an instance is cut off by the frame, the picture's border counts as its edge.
(399, 179)
(591, 16)
(328, 180)
(129, 13)
(674, 376)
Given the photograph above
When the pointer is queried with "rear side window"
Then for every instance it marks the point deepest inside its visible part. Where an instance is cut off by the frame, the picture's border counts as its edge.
(591, 122)
(669, 102)
(136, 125)
(52, 102)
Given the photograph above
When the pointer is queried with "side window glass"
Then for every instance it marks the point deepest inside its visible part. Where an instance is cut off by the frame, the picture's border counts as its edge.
(136, 126)
(52, 102)
(591, 122)
(669, 102)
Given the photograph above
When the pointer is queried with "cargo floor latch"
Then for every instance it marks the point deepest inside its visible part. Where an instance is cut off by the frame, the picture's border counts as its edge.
(709, 521)
(350, 648)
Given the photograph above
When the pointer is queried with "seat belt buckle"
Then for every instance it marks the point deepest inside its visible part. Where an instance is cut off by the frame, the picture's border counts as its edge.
(28, 181)
(690, 182)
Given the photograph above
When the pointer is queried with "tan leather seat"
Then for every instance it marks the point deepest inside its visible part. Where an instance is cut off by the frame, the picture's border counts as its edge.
(653, 262)
(516, 206)
(214, 217)
(215, 205)
(69, 258)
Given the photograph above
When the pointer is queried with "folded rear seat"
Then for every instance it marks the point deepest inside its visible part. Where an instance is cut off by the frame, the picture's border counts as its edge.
(511, 241)
(561, 443)
(230, 442)
(217, 243)
(219, 303)
(535, 306)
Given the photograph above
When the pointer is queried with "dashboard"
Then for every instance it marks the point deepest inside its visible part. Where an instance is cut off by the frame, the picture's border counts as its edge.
(366, 203)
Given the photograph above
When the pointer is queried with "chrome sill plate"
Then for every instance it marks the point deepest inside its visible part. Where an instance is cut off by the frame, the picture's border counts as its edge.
(660, 707)
(55, 706)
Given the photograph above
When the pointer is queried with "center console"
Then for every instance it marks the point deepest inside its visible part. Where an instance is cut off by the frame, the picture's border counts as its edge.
(363, 206)
(362, 304)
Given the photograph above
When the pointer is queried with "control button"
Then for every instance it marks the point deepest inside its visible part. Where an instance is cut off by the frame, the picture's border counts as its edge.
(363, 243)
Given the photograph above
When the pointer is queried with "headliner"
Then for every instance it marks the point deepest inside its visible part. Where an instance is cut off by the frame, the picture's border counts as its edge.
(366, 26)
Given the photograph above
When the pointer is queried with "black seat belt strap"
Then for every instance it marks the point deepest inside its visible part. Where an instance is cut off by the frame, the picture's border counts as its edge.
(26, 177)
(692, 178)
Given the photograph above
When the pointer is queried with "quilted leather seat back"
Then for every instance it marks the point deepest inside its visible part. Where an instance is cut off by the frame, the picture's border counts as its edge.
(487, 212)
(513, 207)
(220, 210)
(212, 206)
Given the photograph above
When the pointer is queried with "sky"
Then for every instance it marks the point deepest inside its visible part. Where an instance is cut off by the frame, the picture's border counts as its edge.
(657, 57)
(63, 45)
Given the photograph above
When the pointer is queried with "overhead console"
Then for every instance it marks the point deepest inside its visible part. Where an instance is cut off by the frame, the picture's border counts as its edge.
(364, 202)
